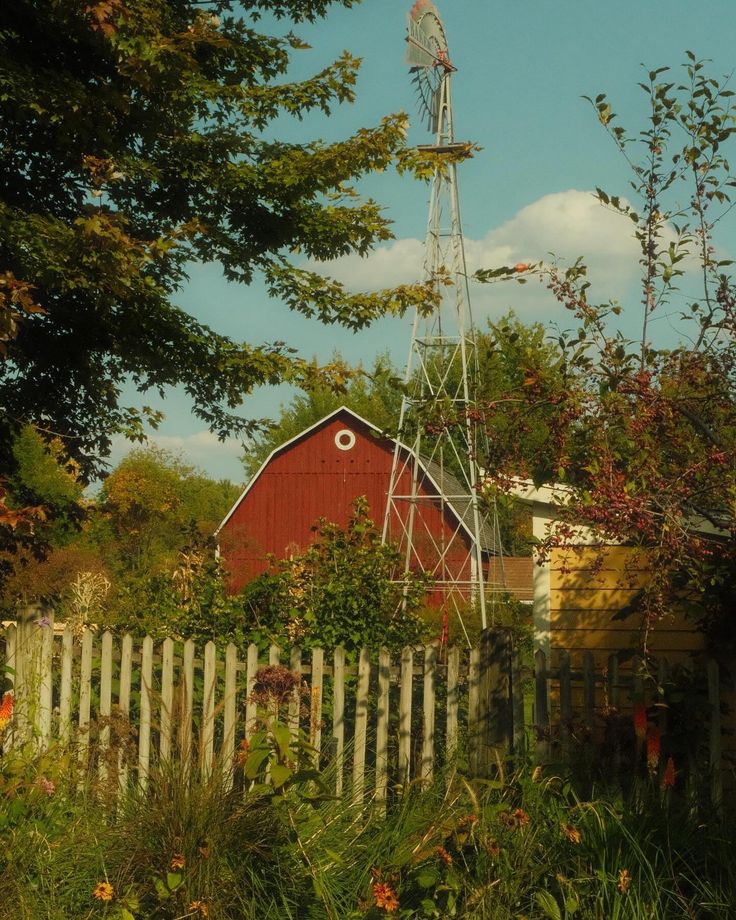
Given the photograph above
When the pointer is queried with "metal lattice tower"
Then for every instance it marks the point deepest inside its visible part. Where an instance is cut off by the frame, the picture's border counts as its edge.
(437, 431)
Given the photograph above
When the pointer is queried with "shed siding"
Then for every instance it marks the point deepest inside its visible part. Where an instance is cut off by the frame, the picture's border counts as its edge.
(589, 586)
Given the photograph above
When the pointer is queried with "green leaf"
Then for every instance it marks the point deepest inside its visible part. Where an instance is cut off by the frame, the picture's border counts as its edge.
(548, 905)
(254, 763)
(173, 880)
(282, 737)
(280, 773)
(427, 877)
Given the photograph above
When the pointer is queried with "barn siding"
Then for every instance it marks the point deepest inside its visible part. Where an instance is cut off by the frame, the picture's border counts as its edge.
(313, 478)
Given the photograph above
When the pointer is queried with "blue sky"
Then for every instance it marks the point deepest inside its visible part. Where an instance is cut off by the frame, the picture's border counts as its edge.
(522, 70)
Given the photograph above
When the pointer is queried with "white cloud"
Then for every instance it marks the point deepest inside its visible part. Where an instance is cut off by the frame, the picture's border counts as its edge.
(562, 225)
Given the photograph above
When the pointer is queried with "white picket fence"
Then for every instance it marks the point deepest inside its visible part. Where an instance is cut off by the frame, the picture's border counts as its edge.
(378, 720)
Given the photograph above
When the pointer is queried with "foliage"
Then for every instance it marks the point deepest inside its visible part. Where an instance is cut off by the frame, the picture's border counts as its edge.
(41, 505)
(337, 592)
(153, 505)
(645, 434)
(374, 395)
(137, 138)
(520, 845)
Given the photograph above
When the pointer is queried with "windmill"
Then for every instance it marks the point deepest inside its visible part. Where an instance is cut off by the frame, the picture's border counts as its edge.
(435, 461)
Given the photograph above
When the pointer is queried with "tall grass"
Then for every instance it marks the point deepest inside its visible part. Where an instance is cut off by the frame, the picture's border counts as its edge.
(522, 845)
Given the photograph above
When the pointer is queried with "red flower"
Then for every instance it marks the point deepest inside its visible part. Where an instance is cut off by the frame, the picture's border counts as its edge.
(668, 780)
(654, 749)
(640, 721)
(6, 709)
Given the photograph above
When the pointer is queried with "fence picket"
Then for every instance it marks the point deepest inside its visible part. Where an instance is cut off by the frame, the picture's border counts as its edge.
(85, 699)
(565, 702)
(405, 700)
(105, 703)
(384, 678)
(186, 692)
(428, 711)
(517, 702)
(11, 660)
(361, 724)
(295, 664)
(65, 686)
(541, 705)
(207, 753)
(588, 690)
(144, 731)
(126, 673)
(315, 701)
(227, 755)
(714, 702)
(473, 713)
(167, 698)
(338, 715)
(453, 701)
(45, 674)
(251, 709)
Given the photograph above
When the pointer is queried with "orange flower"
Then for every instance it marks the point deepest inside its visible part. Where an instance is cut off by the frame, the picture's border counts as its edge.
(493, 848)
(103, 891)
(521, 267)
(514, 819)
(6, 709)
(242, 755)
(654, 748)
(571, 832)
(385, 897)
(668, 780)
(200, 907)
(640, 721)
(177, 861)
(624, 880)
(444, 856)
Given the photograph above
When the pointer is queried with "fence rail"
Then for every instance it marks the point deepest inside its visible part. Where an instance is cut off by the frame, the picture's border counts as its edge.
(382, 720)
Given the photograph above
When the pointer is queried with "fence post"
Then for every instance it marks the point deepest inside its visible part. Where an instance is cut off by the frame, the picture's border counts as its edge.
(494, 697)
(428, 711)
(517, 702)
(541, 706)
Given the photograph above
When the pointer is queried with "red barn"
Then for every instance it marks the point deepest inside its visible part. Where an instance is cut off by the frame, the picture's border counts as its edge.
(320, 473)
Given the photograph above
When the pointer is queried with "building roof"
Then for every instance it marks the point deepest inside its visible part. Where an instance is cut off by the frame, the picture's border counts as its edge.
(458, 497)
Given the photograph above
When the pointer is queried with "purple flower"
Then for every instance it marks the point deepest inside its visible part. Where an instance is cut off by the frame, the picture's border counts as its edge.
(45, 620)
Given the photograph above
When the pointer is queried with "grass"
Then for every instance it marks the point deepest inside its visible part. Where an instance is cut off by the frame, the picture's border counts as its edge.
(519, 846)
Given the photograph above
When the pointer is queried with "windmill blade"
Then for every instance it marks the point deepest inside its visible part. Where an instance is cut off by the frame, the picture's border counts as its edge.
(426, 96)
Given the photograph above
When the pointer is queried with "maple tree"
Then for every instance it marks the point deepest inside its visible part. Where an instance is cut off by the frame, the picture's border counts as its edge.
(132, 142)
(135, 140)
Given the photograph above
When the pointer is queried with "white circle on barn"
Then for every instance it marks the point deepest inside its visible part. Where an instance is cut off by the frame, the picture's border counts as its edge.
(344, 439)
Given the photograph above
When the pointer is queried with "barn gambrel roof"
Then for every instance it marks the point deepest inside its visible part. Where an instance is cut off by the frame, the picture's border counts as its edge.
(458, 501)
